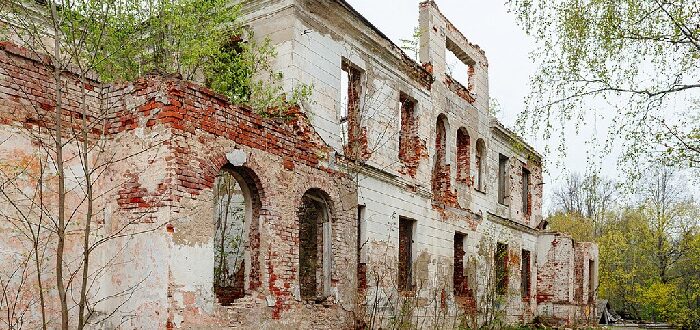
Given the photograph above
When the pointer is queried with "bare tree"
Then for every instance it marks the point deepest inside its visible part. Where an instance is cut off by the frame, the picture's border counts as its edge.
(590, 196)
(670, 210)
(55, 197)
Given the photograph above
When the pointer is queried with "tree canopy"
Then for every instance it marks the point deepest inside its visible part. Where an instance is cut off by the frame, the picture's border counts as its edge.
(121, 40)
(636, 62)
(648, 241)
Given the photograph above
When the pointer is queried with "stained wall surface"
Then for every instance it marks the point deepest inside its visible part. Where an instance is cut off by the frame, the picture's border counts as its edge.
(157, 146)
(335, 199)
(423, 180)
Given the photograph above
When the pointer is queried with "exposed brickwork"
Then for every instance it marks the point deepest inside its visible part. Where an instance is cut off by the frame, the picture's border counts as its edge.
(459, 279)
(187, 132)
(310, 248)
(356, 146)
(29, 93)
(502, 267)
(471, 76)
(459, 89)
(525, 275)
(443, 193)
(405, 268)
(562, 279)
(411, 148)
(463, 157)
(185, 135)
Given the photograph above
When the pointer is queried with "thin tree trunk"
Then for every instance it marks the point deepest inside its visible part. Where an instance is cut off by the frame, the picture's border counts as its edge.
(37, 238)
(61, 230)
(88, 216)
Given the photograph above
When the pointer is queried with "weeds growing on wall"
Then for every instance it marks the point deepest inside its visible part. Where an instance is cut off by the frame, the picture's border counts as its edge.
(432, 305)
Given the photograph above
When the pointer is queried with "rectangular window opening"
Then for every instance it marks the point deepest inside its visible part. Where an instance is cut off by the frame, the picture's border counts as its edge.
(479, 162)
(501, 271)
(405, 276)
(361, 265)
(458, 64)
(526, 191)
(350, 91)
(502, 178)
(459, 279)
(344, 88)
(591, 281)
(408, 125)
(525, 274)
(350, 112)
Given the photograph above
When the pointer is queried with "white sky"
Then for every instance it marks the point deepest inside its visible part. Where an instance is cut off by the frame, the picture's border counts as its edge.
(488, 24)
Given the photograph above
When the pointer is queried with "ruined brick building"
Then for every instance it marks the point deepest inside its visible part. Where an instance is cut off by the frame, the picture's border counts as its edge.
(392, 196)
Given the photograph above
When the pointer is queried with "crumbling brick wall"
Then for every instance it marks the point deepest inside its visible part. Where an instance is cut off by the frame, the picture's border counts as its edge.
(411, 148)
(174, 137)
(177, 137)
(562, 279)
(287, 158)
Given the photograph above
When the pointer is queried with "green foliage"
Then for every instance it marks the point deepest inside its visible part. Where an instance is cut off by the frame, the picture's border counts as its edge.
(649, 250)
(196, 40)
(634, 63)
(243, 72)
(412, 45)
(579, 227)
(125, 39)
(495, 108)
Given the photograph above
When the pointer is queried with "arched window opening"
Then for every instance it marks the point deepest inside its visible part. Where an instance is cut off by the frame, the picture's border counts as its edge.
(441, 141)
(315, 250)
(480, 165)
(463, 155)
(441, 181)
(236, 208)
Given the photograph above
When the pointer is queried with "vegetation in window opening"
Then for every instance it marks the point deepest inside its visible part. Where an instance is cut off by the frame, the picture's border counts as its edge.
(230, 239)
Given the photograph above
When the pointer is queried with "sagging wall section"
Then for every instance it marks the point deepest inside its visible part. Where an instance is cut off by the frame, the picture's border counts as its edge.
(169, 144)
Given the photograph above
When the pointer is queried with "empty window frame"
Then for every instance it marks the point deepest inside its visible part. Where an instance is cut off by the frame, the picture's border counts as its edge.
(459, 279)
(344, 94)
(591, 281)
(480, 165)
(405, 271)
(502, 178)
(350, 90)
(315, 254)
(361, 266)
(525, 274)
(501, 268)
(463, 155)
(526, 191)
(236, 208)
(458, 64)
(441, 140)
(350, 113)
(409, 129)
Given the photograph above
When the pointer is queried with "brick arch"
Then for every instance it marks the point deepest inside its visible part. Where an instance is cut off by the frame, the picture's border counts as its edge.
(315, 216)
(220, 163)
(442, 127)
(252, 180)
(248, 278)
(441, 178)
(320, 193)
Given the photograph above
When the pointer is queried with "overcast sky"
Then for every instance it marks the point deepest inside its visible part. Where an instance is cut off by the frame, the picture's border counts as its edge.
(490, 25)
